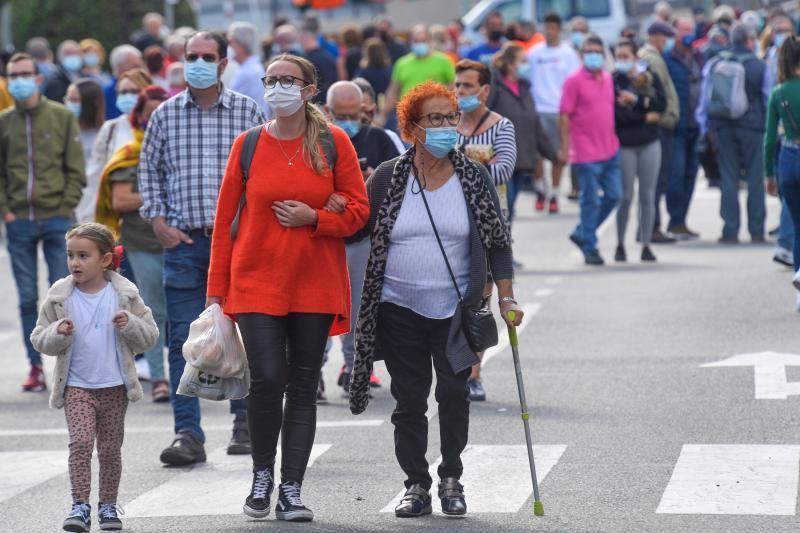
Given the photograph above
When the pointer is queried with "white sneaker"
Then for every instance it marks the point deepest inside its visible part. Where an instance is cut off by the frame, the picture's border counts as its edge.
(783, 256)
(797, 301)
(796, 280)
(143, 369)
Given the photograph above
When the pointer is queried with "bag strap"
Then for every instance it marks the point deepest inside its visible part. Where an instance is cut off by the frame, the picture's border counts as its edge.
(329, 147)
(245, 159)
(475, 130)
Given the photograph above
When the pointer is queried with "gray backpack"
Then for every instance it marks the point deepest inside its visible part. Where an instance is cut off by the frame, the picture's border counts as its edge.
(727, 96)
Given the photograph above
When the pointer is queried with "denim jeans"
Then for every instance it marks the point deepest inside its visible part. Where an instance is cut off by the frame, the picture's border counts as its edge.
(149, 267)
(593, 178)
(23, 237)
(786, 228)
(681, 176)
(515, 185)
(741, 149)
(789, 182)
(185, 280)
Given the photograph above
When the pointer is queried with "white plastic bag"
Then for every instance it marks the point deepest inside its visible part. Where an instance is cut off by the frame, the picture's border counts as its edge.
(198, 383)
(214, 345)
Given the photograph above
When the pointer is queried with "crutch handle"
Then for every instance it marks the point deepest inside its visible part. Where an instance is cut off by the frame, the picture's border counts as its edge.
(512, 330)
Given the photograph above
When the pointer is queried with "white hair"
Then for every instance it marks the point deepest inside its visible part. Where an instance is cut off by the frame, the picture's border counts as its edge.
(65, 44)
(338, 87)
(119, 54)
(244, 33)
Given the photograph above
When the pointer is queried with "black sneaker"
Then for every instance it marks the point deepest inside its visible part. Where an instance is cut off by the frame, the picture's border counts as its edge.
(240, 438)
(344, 382)
(322, 399)
(184, 450)
(451, 492)
(416, 502)
(476, 391)
(619, 255)
(290, 507)
(662, 238)
(647, 255)
(576, 241)
(79, 519)
(257, 503)
(108, 516)
(593, 259)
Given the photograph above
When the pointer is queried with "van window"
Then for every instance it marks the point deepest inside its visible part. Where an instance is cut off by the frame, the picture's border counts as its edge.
(511, 11)
(572, 8)
(592, 8)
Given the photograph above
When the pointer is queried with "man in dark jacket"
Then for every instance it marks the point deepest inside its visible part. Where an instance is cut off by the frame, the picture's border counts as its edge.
(70, 62)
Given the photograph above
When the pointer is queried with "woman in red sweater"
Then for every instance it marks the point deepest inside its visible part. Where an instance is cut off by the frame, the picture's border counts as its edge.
(284, 277)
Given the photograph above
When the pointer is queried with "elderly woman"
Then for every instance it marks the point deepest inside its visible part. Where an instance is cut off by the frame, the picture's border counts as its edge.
(435, 223)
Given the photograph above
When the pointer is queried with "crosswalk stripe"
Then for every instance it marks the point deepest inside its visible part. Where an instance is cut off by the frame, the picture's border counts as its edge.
(740, 479)
(20, 471)
(216, 487)
(496, 478)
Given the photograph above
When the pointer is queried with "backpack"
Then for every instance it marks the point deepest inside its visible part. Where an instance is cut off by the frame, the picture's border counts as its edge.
(727, 96)
(246, 159)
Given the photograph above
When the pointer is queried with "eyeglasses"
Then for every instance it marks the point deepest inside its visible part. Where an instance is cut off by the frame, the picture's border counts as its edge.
(285, 81)
(437, 119)
(128, 91)
(354, 116)
(208, 58)
(15, 75)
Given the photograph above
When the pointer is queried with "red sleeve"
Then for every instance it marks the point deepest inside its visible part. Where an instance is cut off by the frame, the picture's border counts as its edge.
(569, 96)
(219, 270)
(348, 182)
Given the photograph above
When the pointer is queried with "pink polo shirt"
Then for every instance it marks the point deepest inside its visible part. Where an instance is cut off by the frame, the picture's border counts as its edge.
(588, 101)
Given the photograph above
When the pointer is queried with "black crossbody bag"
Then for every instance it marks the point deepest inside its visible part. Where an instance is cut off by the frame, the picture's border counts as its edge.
(478, 323)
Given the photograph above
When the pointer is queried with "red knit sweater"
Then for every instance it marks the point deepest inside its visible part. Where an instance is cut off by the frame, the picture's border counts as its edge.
(275, 270)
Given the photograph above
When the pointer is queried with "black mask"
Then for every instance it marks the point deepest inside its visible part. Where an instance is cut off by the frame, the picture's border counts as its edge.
(495, 35)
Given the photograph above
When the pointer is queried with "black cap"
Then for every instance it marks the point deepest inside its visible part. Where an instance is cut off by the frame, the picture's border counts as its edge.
(659, 28)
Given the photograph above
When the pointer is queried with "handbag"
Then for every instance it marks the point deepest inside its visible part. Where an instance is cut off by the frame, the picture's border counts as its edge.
(477, 323)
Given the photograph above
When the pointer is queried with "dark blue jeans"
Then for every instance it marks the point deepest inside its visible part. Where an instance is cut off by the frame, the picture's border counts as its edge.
(740, 150)
(23, 244)
(185, 280)
(681, 176)
(602, 176)
(516, 184)
(789, 182)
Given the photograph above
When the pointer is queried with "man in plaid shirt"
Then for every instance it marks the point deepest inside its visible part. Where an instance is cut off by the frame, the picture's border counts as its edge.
(183, 159)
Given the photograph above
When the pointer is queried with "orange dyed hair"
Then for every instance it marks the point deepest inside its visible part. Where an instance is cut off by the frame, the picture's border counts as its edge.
(409, 109)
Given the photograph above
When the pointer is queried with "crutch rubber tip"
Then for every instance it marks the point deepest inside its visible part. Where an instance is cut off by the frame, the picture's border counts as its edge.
(538, 508)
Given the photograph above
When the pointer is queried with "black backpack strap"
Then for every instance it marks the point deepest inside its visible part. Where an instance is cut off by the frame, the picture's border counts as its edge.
(329, 147)
(245, 159)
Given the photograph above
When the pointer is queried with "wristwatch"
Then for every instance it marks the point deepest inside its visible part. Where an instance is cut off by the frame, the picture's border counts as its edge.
(505, 299)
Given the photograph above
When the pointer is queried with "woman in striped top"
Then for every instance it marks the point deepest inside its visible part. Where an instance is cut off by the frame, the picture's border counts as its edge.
(488, 138)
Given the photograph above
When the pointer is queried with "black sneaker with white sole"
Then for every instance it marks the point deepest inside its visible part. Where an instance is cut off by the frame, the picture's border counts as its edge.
(416, 502)
(79, 519)
(257, 503)
(290, 507)
(108, 516)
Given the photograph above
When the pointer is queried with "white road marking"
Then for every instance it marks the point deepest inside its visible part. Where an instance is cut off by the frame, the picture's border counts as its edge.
(769, 373)
(217, 487)
(740, 479)
(20, 471)
(496, 479)
(544, 293)
(554, 280)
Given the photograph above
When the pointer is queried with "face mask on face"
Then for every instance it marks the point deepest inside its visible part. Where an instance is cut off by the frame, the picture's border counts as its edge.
(577, 39)
(687, 40)
(439, 141)
(284, 102)
(779, 38)
(200, 74)
(523, 70)
(470, 103)
(350, 127)
(72, 63)
(75, 107)
(420, 49)
(90, 59)
(126, 103)
(593, 60)
(22, 88)
(669, 45)
(624, 66)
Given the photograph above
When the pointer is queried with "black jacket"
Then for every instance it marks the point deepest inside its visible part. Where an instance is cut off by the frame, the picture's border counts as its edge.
(374, 144)
(630, 124)
(56, 85)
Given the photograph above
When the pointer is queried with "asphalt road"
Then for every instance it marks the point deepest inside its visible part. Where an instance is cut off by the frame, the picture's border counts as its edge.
(632, 433)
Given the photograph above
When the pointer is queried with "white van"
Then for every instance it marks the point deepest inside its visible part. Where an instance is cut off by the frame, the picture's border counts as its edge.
(606, 18)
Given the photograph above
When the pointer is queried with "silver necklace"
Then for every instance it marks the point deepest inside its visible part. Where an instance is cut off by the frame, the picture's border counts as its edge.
(296, 152)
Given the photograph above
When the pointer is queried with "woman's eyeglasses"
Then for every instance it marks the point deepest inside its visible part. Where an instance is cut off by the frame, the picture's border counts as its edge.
(285, 81)
(438, 119)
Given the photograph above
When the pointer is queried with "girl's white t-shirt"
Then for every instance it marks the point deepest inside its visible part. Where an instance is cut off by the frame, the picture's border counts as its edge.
(94, 363)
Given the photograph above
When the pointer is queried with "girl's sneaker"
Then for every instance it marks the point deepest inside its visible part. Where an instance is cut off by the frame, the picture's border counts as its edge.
(257, 503)
(290, 507)
(108, 516)
(80, 518)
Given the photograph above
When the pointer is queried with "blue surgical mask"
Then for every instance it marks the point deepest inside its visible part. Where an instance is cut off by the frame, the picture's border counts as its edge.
(200, 74)
(688, 40)
(524, 70)
(577, 39)
(90, 59)
(593, 60)
(75, 107)
(72, 63)
(669, 45)
(420, 49)
(624, 66)
(439, 141)
(470, 103)
(126, 103)
(778, 40)
(21, 89)
(350, 127)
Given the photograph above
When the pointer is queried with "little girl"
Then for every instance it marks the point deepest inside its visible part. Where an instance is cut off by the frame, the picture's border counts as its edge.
(94, 322)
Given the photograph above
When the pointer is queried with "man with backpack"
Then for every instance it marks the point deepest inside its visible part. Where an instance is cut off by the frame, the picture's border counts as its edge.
(733, 108)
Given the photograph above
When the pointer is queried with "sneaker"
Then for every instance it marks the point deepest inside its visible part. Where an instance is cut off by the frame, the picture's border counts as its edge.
(758, 239)
(796, 280)
(240, 437)
(647, 255)
(573, 196)
(108, 516)
(142, 369)
(619, 255)
(662, 238)
(593, 259)
(728, 240)
(79, 519)
(35, 381)
(416, 502)
(322, 399)
(539, 201)
(186, 449)
(476, 391)
(160, 391)
(344, 382)
(783, 256)
(517, 265)
(257, 503)
(290, 507)
(374, 381)
(576, 241)
(774, 232)
(451, 492)
(553, 207)
(682, 233)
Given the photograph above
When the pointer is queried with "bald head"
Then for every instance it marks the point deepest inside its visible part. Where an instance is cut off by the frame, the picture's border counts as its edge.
(344, 97)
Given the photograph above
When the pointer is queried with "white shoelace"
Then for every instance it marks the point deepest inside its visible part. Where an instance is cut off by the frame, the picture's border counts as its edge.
(292, 492)
(261, 484)
(80, 509)
(110, 510)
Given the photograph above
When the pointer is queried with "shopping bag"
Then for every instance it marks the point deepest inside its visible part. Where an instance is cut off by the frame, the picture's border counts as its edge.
(196, 382)
(215, 346)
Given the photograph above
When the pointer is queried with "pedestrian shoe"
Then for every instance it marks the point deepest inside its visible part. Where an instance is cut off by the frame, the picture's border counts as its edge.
(619, 255)
(728, 240)
(647, 255)
(797, 301)
(344, 382)
(783, 256)
(290, 507)
(573, 196)
(774, 232)
(160, 391)
(142, 369)
(79, 519)
(108, 516)
(796, 280)
(374, 381)
(553, 207)
(593, 259)
(451, 492)
(322, 399)
(186, 449)
(240, 437)
(758, 239)
(539, 201)
(576, 241)
(35, 381)
(257, 503)
(662, 238)
(517, 265)
(416, 502)
(682, 233)
(476, 391)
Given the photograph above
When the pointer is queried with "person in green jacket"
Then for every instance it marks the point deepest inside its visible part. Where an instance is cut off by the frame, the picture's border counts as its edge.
(41, 179)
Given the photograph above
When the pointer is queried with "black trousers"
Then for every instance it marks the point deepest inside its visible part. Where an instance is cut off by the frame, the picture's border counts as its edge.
(409, 341)
(275, 371)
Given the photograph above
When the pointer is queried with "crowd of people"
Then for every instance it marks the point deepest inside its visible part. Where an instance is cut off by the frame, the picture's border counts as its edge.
(360, 186)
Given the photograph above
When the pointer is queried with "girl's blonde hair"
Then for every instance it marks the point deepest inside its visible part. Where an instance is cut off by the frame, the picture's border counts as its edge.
(316, 122)
(98, 234)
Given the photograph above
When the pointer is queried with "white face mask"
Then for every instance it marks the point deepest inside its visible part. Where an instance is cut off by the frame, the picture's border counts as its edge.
(284, 102)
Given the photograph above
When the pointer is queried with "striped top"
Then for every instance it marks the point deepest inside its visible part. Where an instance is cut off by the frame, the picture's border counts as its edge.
(501, 137)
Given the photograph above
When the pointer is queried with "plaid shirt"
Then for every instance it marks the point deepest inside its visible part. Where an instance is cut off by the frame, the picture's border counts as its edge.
(184, 153)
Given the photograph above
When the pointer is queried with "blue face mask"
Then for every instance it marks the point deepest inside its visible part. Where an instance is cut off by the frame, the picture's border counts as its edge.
(577, 39)
(687, 40)
(72, 63)
(199, 74)
(90, 59)
(439, 141)
(779, 39)
(593, 60)
(669, 45)
(350, 127)
(470, 103)
(75, 107)
(420, 49)
(126, 103)
(21, 89)
(524, 70)
(624, 66)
